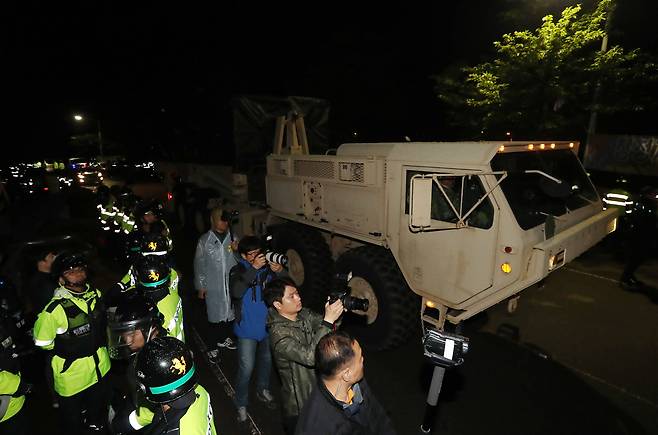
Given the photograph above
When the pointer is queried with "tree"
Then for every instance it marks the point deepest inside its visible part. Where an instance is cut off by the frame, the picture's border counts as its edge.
(541, 82)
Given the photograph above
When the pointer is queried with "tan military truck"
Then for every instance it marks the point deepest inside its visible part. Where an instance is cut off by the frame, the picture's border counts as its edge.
(463, 225)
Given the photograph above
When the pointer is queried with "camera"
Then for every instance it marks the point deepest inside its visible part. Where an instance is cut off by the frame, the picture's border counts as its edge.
(343, 292)
(445, 349)
(270, 254)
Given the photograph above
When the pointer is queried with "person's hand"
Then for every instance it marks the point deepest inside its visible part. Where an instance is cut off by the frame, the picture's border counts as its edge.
(259, 261)
(202, 293)
(276, 267)
(332, 312)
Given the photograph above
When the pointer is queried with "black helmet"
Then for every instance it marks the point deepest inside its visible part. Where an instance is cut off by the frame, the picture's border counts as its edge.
(148, 206)
(67, 261)
(165, 370)
(154, 243)
(134, 245)
(133, 313)
(153, 276)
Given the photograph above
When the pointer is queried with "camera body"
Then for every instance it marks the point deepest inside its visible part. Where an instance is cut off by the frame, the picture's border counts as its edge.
(270, 254)
(445, 349)
(343, 292)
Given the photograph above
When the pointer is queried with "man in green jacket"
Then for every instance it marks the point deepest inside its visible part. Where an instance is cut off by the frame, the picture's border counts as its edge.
(294, 333)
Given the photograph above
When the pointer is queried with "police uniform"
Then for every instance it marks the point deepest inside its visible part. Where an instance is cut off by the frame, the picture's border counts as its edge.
(72, 327)
(12, 398)
(167, 375)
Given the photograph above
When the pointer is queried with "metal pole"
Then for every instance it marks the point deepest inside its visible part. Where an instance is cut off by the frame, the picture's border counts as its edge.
(591, 128)
(100, 137)
(432, 399)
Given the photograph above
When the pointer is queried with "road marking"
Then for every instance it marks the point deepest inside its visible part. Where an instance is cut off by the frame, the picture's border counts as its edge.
(593, 275)
(581, 298)
(223, 381)
(612, 386)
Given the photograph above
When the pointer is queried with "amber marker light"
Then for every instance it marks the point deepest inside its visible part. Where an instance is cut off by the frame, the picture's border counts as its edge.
(506, 267)
(530, 146)
(430, 304)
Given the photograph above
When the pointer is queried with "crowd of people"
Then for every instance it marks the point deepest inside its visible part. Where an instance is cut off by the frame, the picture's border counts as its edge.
(117, 361)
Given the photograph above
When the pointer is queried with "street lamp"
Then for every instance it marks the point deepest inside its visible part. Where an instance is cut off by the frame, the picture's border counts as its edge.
(79, 118)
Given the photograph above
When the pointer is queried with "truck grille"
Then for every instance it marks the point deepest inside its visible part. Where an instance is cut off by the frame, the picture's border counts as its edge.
(316, 169)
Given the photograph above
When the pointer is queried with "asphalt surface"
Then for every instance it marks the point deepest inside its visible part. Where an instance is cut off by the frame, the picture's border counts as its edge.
(577, 357)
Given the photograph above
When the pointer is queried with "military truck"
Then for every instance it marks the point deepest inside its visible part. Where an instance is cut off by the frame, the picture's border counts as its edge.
(440, 231)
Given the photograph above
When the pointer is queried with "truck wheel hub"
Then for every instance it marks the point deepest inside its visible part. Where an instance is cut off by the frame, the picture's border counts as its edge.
(362, 289)
(295, 267)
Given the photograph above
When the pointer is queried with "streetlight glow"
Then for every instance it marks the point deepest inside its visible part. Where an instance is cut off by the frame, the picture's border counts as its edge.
(77, 117)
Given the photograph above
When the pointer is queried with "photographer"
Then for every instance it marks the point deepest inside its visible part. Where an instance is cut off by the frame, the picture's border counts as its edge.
(294, 333)
(246, 282)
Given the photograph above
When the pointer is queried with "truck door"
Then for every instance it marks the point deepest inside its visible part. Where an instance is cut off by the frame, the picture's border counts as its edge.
(452, 259)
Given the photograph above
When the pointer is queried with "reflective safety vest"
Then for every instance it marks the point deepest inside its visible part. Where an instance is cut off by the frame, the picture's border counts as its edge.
(618, 198)
(198, 419)
(10, 379)
(72, 326)
(169, 304)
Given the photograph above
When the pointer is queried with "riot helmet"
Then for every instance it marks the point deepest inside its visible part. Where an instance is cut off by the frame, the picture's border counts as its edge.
(134, 245)
(154, 243)
(149, 206)
(131, 325)
(69, 262)
(165, 370)
(153, 277)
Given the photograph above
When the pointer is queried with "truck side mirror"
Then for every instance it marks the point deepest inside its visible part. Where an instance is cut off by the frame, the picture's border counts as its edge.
(420, 212)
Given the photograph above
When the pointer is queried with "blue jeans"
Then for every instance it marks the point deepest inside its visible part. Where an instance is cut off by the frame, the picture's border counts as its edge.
(252, 353)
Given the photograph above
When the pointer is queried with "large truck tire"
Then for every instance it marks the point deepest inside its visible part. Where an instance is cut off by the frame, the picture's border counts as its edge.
(394, 309)
(309, 262)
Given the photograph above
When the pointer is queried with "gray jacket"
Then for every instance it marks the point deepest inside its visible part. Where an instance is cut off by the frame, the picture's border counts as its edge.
(212, 263)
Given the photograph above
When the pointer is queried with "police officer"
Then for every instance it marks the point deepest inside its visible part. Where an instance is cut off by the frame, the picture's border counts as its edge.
(133, 323)
(72, 327)
(155, 282)
(148, 216)
(166, 374)
(12, 388)
(640, 237)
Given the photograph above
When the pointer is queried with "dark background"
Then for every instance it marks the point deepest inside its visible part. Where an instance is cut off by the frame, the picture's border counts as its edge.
(161, 75)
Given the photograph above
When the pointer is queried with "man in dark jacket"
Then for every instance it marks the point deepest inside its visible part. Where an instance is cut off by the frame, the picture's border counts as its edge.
(246, 282)
(294, 333)
(342, 403)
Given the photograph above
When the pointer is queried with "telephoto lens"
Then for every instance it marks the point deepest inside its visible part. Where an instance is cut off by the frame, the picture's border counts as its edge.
(274, 257)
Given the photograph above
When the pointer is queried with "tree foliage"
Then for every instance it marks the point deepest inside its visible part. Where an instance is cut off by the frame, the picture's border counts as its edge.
(542, 81)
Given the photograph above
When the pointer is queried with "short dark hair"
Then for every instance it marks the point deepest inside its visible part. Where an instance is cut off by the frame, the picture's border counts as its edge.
(275, 289)
(332, 353)
(249, 243)
(41, 254)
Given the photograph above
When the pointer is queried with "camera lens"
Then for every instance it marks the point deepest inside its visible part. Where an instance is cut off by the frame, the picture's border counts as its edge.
(274, 257)
(351, 304)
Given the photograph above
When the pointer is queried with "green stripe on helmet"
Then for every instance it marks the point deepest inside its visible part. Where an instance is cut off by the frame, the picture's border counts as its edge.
(173, 385)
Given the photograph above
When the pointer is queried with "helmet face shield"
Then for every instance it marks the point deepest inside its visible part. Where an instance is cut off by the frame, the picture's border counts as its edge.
(130, 326)
(125, 339)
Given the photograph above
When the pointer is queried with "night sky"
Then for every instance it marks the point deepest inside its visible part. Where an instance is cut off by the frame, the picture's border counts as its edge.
(158, 73)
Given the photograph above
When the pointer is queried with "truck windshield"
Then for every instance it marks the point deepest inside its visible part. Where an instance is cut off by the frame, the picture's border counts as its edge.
(533, 196)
